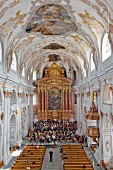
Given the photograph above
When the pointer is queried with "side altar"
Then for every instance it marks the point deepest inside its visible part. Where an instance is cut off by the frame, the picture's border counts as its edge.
(54, 95)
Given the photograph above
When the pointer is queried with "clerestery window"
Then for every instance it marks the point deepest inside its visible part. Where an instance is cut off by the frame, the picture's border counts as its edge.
(92, 63)
(14, 63)
(23, 72)
(34, 99)
(34, 75)
(106, 48)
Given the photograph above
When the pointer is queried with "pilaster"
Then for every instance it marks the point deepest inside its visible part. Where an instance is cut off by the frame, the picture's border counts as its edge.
(6, 125)
(31, 110)
(78, 108)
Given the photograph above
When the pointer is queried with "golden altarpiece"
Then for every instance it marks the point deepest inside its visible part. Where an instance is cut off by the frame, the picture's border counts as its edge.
(54, 95)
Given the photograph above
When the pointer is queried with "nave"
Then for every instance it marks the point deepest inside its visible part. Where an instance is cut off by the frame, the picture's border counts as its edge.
(56, 64)
(69, 149)
(57, 163)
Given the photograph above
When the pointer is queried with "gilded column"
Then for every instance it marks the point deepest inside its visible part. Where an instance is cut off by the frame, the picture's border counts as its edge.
(63, 107)
(45, 99)
(39, 101)
(42, 90)
(70, 99)
(66, 98)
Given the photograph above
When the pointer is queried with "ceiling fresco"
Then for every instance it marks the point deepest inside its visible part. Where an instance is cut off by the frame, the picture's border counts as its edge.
(51, 19)
(71, 28)
(54, 46)
(54, 58)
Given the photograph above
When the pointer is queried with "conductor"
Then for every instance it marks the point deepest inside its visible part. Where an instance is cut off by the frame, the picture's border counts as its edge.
(51, 156)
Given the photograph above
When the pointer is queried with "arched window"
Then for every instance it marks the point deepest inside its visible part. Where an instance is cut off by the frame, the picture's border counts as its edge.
(14, 63)
(34, 75)
(23, 72)
(28, 77)
(74, 74)
(84, 71)
(106, 48)
(92, 63)
(34, 99)
(0, 52)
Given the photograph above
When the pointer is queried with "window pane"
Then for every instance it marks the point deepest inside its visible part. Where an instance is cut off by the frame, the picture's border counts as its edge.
(34, 75)
(23, 72)
(14, 63)
(106, 48)
(92, 63)
(34, 99)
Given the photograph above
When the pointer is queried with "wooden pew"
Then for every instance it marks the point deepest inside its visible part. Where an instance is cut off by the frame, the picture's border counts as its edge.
(31, 157)
(74, 158)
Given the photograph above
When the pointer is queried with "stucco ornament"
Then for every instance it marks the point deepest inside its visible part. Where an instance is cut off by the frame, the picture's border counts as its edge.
(110, 164)
(107, 145)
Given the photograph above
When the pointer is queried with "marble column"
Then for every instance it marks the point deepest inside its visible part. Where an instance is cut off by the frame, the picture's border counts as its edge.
(88, 100)
(78, 109)
(1, 139)
(31, 110)
(100, 149)
(112, 119)
(82, 118)
(19, 119)
(8, 124)
(111, 89)
(6, 130)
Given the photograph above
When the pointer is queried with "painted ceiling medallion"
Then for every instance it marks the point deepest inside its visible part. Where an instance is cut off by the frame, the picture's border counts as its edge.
(54, 46)
(51, 19)
(54, 57)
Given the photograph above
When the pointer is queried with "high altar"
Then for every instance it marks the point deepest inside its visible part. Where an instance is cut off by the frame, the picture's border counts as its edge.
(54, 95)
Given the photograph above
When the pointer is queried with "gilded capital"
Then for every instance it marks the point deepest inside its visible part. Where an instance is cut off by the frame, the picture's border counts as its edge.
(31, 95)
(2, 116)
(111, 88)
(7, 94)
(98, 92)
(78, 95)
(19, 95)
(82, 94)
(88, 93)
(27, 95)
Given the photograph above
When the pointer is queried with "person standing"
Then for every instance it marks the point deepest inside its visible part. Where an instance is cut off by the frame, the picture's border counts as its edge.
(51, 155)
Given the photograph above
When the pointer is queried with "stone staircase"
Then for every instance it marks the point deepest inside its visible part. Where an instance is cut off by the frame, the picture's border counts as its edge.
(56, 164)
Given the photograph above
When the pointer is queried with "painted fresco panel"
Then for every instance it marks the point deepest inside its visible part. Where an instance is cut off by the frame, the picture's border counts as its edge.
(54, 99)
(51, 19)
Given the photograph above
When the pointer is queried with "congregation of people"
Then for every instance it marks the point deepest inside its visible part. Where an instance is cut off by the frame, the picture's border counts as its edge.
(54, 132)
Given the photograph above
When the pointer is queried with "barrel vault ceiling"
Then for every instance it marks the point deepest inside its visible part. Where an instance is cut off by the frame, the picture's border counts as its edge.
(67, 29)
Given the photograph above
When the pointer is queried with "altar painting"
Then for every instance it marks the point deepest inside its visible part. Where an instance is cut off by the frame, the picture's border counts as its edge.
(54, 99)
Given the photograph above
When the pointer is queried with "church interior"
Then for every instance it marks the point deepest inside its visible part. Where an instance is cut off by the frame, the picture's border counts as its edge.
(56, 84)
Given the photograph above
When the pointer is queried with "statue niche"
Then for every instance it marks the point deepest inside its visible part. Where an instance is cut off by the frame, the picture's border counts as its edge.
(54, 94)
